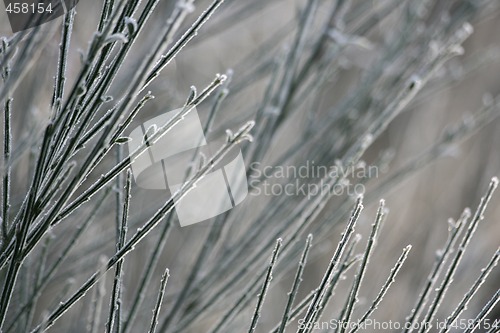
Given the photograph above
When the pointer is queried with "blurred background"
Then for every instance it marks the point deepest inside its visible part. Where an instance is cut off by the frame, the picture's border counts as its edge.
(360, 59)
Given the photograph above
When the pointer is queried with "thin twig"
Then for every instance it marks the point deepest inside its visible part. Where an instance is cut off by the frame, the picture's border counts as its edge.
(481, 316)
(385, 288)
(156, 311)
(315, 305)
(455, 230)
(295, 286)
(115, 303)
(353, 296)
(448, 278)
(265, 287)
(472, 291)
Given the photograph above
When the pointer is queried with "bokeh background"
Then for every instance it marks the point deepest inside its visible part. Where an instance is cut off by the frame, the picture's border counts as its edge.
(248, 38)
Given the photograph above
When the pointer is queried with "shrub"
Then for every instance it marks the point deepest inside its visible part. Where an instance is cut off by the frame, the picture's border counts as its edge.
(84, 249)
